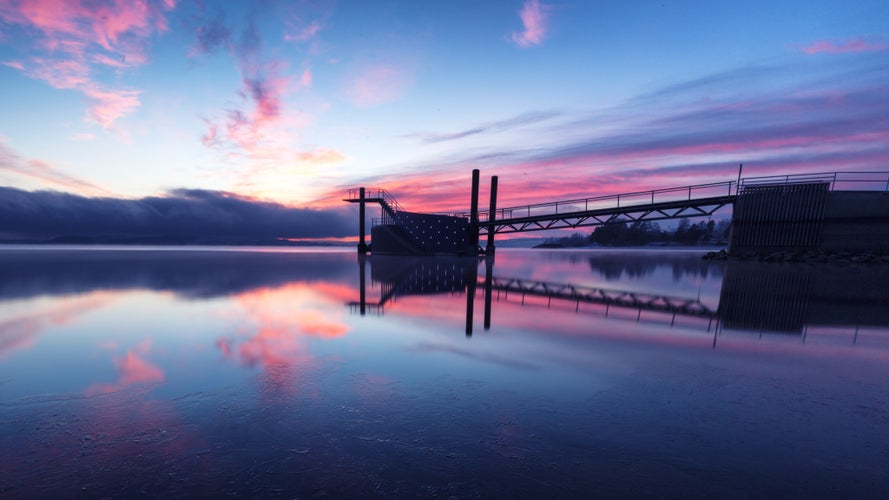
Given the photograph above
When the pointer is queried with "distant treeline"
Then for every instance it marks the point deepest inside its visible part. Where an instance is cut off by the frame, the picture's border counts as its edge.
(648, 233)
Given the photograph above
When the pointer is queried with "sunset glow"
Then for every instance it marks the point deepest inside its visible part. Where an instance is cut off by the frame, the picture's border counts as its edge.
(293, 103)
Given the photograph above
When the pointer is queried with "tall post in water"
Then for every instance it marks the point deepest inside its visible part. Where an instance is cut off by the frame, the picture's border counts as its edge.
(362, 246)
(492, 210)
(473, 214)
(489, 288)
(362, 281)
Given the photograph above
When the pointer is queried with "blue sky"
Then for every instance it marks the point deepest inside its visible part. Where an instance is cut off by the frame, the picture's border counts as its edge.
(293, 102)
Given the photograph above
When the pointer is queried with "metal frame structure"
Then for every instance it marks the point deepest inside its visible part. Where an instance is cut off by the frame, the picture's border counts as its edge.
(388, 203)
(699, 200)
(848, 181)
(617, 298)
(636, 213)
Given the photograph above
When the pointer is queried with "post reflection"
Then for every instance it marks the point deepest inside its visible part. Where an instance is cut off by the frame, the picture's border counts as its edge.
(403, 277)
(751, 297)
(489, 278)
(471, 284)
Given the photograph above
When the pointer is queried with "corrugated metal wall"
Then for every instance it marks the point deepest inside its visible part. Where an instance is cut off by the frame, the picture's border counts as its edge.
(778, 217)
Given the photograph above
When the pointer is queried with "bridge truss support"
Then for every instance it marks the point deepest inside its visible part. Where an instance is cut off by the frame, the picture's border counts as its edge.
(639, 213)
(617, 298)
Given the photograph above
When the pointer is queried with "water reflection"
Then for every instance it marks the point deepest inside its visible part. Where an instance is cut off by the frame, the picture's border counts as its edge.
(790, 297)
(272, 329)
(132, 369)
(212, 374)
(613, 266)
(752, 296)
(188, 273)
(20, 328)
(406, 276)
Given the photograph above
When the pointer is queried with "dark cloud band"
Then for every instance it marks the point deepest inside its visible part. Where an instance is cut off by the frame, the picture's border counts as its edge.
(184, 216)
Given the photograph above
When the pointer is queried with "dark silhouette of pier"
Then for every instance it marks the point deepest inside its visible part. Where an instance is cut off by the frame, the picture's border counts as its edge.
(753, 297)
(578, 294)
(398, 277)
(834, 211)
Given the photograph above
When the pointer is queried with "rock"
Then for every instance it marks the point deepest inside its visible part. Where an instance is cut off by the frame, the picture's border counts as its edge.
(805, 256)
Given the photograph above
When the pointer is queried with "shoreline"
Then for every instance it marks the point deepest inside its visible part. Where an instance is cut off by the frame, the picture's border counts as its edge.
(804, 256)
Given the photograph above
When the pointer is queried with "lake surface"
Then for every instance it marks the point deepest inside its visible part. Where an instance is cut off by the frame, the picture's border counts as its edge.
(199, 373)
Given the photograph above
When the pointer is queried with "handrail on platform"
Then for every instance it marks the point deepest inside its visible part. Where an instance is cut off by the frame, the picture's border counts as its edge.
(846, 180)
(853, 181)
(388, 202)
(620, 200)
(374, 194)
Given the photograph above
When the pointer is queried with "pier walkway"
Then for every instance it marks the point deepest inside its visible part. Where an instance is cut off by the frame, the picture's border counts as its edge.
(780, 211)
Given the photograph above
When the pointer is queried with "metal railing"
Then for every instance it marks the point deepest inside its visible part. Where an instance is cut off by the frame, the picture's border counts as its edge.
(375, 194)
(853, 181)
(386, 200)
(622, 200)
(848, 181)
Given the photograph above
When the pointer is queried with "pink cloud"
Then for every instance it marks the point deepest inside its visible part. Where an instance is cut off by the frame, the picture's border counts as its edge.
(304, 33)
(266, 94)
(259, 135)
(211, 136)
(68, 45)
(14, 65)
(855, 45)
(378, 84)
(82, 136)
(535, 22)
(252, 131)
(261, 130)
(106, 106)
(248, 128)
(44, 172)
(306, 79)
(108, 24)
(61, 74)
(320, 156)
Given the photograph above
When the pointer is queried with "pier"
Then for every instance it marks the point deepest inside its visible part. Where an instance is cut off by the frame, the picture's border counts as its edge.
(837, 211)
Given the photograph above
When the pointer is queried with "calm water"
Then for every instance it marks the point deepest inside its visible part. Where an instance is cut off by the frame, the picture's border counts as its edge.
(264, 374)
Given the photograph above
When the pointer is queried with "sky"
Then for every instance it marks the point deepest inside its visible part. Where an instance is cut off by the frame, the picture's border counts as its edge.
(286, 104)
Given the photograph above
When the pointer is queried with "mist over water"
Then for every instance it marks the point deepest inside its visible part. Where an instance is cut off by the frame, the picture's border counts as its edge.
(188, 372)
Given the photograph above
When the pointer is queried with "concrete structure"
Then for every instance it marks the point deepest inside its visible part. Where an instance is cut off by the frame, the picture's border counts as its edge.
(786, 298)
(808, 216)
(422, 234)
(856, 221)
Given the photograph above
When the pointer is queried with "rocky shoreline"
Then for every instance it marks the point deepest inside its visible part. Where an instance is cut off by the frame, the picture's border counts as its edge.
(814, 256)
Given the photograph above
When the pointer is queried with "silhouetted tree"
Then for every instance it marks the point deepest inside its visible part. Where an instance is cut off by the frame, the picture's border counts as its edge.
(610, 234)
